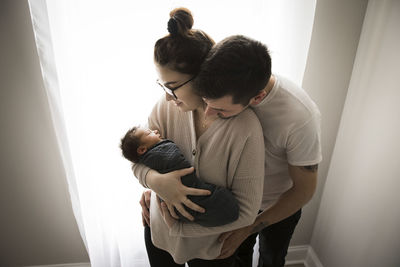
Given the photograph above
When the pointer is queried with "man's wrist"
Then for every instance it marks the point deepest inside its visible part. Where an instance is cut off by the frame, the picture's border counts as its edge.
(258, 226)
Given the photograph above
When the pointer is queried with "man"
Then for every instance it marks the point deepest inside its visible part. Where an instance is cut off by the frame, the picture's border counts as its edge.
(235, 75)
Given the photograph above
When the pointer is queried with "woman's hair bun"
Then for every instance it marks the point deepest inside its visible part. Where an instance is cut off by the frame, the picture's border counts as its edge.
(173, 26)
(180, 22)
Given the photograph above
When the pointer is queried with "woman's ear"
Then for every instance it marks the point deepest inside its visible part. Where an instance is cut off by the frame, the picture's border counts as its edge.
(141, 150)
(258, 98)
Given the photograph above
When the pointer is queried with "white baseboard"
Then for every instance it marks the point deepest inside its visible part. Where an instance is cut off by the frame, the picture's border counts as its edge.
(84, 264)
(303, 255)
(138, 263)
(312, 259)
(296, 255)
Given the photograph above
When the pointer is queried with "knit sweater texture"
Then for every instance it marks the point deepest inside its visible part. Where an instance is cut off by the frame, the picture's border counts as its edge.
(229, 154)
(220, 206)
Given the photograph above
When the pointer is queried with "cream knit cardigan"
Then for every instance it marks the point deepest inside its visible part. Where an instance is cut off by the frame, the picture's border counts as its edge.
(230, 154)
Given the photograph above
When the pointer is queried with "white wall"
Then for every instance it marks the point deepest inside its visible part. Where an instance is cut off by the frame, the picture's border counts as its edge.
(37, 225)
(359, 218)
(333, 46)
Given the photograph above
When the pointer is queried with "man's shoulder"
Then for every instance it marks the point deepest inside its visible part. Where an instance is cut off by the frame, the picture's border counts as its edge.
(288, 106)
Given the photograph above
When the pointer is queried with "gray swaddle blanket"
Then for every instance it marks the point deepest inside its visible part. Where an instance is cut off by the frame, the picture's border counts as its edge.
(221, 206)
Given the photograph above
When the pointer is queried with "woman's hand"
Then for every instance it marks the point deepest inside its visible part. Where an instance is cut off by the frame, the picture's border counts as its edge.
(170, 188)
(165, 213)
(145, 203)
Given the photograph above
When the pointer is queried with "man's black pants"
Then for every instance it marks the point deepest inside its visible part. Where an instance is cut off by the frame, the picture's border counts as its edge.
(273, 244)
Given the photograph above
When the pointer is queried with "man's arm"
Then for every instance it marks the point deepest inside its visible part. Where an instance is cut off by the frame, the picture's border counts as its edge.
(304, 184)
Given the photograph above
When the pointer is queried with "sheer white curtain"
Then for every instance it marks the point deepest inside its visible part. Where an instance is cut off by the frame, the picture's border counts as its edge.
(97, 64)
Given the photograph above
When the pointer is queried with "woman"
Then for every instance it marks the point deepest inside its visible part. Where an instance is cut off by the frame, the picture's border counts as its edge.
(225, 152)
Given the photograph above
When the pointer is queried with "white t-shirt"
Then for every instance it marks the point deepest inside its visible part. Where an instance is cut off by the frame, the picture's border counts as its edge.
(292, 134)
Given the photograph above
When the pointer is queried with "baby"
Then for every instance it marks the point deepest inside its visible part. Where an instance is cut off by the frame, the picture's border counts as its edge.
(141, 145)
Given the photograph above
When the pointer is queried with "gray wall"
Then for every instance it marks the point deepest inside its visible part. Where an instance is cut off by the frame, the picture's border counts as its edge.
(334, 41)
(359, 217)
(37, 225)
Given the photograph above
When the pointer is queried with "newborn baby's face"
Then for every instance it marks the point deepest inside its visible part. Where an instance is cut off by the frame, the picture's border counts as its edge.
(148, 137)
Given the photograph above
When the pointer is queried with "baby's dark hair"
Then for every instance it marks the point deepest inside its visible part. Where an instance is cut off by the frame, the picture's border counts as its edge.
(129, 145)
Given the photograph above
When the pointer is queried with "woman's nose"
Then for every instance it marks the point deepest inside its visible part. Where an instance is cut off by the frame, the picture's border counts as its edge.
(168, 97)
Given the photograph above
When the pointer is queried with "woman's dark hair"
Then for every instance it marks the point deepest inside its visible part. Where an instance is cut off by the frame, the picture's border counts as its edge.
(183, 49)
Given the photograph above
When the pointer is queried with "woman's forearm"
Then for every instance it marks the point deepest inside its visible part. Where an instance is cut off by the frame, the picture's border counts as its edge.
(151, 179)
(140, 171)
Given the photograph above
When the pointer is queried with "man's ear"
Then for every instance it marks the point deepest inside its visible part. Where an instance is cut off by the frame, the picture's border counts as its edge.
(141, 150)
(258, 98)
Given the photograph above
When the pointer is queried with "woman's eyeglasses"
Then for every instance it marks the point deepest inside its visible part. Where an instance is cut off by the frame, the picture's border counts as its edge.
(170, 90)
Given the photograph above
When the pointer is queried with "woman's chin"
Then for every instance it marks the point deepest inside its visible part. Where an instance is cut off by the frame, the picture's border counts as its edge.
(180, 105)
(184, 108)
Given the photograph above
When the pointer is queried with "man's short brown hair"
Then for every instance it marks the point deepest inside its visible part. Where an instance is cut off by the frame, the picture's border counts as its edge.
(238, 66)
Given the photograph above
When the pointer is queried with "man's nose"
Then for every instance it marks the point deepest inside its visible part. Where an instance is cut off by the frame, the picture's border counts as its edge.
(210, 111)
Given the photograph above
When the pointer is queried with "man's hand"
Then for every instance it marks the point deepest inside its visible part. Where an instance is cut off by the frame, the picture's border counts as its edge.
(232, 240)
(170, 188)
(168, 219)
(145, 203)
